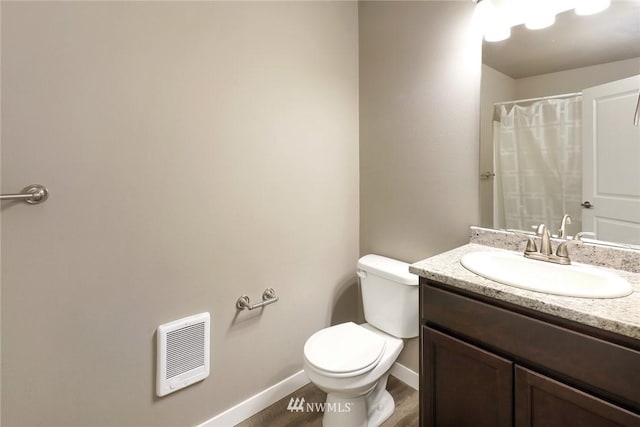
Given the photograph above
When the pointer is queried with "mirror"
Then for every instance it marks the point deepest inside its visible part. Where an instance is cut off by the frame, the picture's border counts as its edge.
(540, 67)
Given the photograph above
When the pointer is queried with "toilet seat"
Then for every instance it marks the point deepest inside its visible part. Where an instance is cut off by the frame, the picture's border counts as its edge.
(344, 350)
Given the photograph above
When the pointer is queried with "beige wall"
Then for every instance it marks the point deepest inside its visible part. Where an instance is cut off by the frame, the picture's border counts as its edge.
(495, 87)
(198, 151)
(419, 102)
(195, 151)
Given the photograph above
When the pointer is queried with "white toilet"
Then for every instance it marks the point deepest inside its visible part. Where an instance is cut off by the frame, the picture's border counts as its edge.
(351, 362)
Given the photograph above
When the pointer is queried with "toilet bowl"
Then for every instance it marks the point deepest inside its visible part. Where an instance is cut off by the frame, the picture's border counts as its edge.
(351, 362)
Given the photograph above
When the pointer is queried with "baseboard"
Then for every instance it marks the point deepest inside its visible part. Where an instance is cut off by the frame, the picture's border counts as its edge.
(271, 395)
(406, 375)
(258, 402)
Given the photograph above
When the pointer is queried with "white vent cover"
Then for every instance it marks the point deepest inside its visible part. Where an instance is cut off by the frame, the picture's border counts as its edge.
(183, 353)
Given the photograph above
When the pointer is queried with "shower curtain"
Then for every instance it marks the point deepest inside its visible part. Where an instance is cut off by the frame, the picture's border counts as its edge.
(538, 158)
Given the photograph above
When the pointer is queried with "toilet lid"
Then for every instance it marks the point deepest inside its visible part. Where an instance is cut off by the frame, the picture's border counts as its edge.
(344, 348)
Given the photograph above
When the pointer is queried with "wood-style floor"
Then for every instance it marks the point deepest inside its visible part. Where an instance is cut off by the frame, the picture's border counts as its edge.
(276, 415)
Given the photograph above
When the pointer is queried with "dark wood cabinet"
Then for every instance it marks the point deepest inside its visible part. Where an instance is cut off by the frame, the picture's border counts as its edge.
(472, 387)
(543, 402)
(485, 364)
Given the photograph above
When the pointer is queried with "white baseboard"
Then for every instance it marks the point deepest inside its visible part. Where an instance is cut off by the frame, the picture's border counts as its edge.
(271, 395)
(257, 402)
(406, 375)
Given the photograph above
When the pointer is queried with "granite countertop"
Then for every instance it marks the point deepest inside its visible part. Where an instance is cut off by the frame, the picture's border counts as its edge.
(619, 315)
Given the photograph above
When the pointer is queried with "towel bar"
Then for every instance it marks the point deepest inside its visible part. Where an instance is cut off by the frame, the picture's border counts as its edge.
(268, 297)
(32, 194)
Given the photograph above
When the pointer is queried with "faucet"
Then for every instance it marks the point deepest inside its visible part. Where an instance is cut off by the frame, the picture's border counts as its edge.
(545, 253)
(546, 250)
(545, 240)
(566, 220)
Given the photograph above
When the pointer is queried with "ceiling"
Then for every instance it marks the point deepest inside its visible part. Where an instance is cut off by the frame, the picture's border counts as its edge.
(572, 42)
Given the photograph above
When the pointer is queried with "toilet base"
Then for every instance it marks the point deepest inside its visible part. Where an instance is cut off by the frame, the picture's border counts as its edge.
(383, 411)
(380, 403)
(369, 410)
(345, 412)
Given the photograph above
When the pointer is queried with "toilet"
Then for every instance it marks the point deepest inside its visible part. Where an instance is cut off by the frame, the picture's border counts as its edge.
(351, 362)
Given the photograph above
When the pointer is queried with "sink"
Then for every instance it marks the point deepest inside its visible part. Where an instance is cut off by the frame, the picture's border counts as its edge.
(575, 280)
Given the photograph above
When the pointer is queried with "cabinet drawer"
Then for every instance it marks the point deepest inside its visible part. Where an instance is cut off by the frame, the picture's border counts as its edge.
(607, 369)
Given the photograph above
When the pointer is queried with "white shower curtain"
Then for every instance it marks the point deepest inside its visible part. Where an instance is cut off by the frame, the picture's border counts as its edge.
(538, 158)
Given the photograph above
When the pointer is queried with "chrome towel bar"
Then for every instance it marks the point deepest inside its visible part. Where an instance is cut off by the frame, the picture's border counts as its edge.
(268, 297)
(33, 194)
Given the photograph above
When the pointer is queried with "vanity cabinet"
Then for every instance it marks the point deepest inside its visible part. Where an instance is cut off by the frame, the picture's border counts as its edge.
(486, 363)
(541, 401)
(465, 385)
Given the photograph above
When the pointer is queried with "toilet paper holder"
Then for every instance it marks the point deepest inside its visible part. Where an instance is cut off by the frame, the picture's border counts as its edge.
(268, 297)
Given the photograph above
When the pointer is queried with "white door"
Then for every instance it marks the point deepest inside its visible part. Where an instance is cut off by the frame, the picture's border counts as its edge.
(611, 161)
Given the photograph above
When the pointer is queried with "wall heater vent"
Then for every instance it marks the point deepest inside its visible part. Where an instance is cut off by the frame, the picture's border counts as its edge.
(183, 353)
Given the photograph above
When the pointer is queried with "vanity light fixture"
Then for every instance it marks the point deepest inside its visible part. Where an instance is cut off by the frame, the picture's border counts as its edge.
(541, 21)
(493, 19)
(496, 17)
(540, 14)
(589, 7)
(497, 34)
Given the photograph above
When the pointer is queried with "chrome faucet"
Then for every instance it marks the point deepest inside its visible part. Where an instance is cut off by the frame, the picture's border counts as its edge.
(545, 240)
(545, 253)
(546, 250)
(566, 220)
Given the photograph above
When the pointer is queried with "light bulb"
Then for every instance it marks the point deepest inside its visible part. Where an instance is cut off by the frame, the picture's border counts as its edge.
(497, 34)
(482, 15)
(492, 17)
(589, 7)
(540, 21)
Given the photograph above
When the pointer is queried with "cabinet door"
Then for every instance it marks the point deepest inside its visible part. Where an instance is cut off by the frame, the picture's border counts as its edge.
(543, 402)
(463, 385)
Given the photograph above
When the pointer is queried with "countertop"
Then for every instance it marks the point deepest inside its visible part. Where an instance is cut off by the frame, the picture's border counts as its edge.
(618, 315)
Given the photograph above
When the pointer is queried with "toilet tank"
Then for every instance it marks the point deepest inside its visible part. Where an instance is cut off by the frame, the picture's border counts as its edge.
(389, 295)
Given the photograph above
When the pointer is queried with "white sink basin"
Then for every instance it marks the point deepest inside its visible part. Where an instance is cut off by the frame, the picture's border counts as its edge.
(575, 280)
